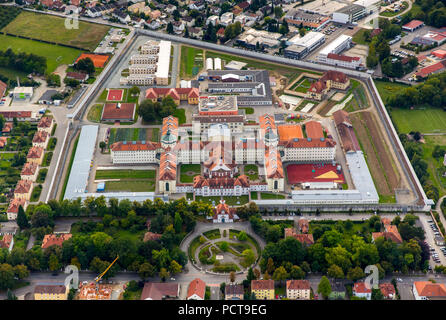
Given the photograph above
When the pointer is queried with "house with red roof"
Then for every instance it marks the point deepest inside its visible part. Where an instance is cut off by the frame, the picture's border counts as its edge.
(13, 207)
(426, 290)
(360, 290)
(196, 290)
(160, 291)
(23, 190)
(41, 139)
(304, 238)
(29, 172)
(55, 240)
(223, 214)
(3, 88)
(124, 112)
(7, 241)
(46, 124)
(390, 232)
(388, 291)
(413, 25)
(190, 95)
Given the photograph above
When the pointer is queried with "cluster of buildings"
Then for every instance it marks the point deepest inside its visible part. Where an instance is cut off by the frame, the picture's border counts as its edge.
(330, 80)
(30, 171)
(150, 66)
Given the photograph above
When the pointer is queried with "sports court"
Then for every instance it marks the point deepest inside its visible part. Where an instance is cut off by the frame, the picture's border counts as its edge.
(115, 94)
(301, 173)
(99, 60)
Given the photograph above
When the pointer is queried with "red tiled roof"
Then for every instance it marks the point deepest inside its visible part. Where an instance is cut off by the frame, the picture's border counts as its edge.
(387, 289)
(413, 24)
(118, 111)
(429, 289)
(16, 114)
(306, 238)
(198, 287)
(298, 285)
(290, 131)
(14, 205)
(309, 143)
(431, 69)
(217, 183)
(314, 130)
(342, 57)
(155, 93)
(7, 127)
(45, 122)
(150, 236)
(262, 284)
(3, 87)
(157, 291)
(40, 137)
(34, 153)
(29, 169)
(55, 240)
(135, 146)
(23, 186)
(6, 241)
(168, 166)
(77, 75)
(359, 287)
(273, 164)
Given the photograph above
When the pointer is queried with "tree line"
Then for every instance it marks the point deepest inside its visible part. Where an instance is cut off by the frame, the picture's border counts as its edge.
(22, 61)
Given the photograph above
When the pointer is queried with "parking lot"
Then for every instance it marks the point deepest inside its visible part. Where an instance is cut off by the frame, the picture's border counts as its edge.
(438, 253)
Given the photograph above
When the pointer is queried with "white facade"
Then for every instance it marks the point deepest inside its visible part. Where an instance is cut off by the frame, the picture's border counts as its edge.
(310, 41)
(130, 157)
(352, 64)
(338, 45)
(326, 154)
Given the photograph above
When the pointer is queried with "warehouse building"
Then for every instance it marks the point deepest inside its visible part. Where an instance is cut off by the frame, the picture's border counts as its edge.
(299, 46)
(371, 6)
(349, 14)
(340, 44)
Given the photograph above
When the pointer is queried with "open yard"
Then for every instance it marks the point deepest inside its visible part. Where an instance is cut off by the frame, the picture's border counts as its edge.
(230, 200)
(252, 171)
(125, 174)
(191, 61)
(131, 185)
(388, 89)
(376, 152)
(43, 27)
(55, 55)
(188, 172)
(424, 120)
(302, 85)
(95, 113)
(133, 134)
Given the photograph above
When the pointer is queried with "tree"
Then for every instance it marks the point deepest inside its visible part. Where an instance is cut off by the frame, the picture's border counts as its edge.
(335, 272)
(297, 273)
(53, 263)
(134, 91)
(186, 32)
(178, 222)
(355, 274)
(175, 267)
(22, 219)
(164, 274)
(10, 295)
(280, 274)
(270, 265)
(21, 271)
(232, 276)
(377, 294)
(169, 28)
(248, 257)
(302, 31)
(102, 145)
(324, 287)
(146, 270)
(2, 122)
(242, 236)
(85, 65)
(250, 276)
(224, 246)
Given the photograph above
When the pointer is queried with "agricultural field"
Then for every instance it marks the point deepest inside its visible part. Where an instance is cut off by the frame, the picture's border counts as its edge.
(42, 27)
(424, 120)
(133, 134)
(191, 61)
(379, 161)
(55, 55)
(188, 172)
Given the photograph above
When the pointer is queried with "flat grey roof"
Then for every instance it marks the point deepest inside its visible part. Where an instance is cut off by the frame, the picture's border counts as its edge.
(361, 175)
(132, 196)
(80, 170)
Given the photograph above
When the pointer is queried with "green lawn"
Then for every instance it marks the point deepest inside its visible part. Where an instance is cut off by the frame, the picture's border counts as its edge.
(12, 73)
(125, 174)
(358, 37)
(388, 89)
(248, 110)
(133, 134)
(131, 185)
(155, 135)
(55, 55)
(429, 120)
(435, 166)
(184, 178)
(252, 167)
(181, 115)
(254, 195)
(265, 195)
(212, 234)
(230, 200)
(190, 58)
(35, 195)
(95, 113)
(51, 28)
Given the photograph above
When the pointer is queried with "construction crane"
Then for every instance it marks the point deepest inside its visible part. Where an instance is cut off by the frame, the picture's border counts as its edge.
(98, 278)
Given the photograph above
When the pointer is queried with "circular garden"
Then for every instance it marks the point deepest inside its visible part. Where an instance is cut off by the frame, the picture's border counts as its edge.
(224, 250)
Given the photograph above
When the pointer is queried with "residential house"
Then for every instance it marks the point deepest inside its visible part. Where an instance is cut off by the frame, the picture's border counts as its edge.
(178, 27)
(189, 21)
(226, 18)
(160, 291)
(7, 241)
(55, 240)
(29, 172)
(41, 139)
(46, 124)
(196, 290)
(51, 291)
(234, 291)
(7, 127)
(388, 291)
(426, 290)
(390, 232)
(13, 207)
(170, 8)
(79, 76)
(196, 32)
(361, 291)
(35, 155)
(298, 289)
(304, 238)
(263, 289)
(214, 20)
(122, 16)
(23, 190)
(197, 5)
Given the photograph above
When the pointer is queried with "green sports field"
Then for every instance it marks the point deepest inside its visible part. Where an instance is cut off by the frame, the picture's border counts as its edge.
(55, 55)
(190, 57)
(51, 28)
(427, 120)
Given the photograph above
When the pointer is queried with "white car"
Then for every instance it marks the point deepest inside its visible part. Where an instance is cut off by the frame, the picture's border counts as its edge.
(399, 279)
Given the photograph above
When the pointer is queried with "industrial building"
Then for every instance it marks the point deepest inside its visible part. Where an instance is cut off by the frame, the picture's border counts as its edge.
(343, 42)
(307, 43)
(252, 37)
(371, 6)
(349, 14)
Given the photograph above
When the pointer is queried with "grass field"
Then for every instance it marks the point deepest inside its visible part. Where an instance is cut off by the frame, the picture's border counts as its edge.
(11, 73)
(55, 55)
(358, 37)
(43, 27)
(181, 115)
(190, 57)
(429, 120)
(125, 174)
(265, 195)
(388, 89)
(130, 185)
(184, 178)
(376, 152)
(95, 113)
(230, 200)
(435, 165)
(254, 168)
(133, 134)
